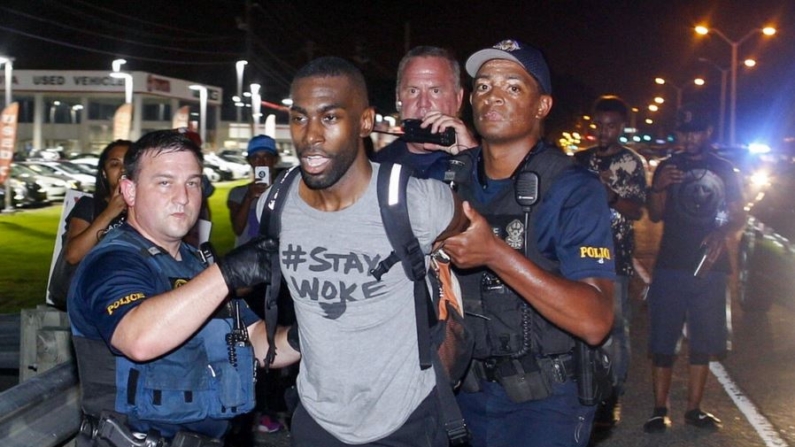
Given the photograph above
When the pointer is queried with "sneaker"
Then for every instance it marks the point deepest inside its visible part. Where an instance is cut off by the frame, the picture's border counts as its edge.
(658, 422)
(701, 419)
(268, 425)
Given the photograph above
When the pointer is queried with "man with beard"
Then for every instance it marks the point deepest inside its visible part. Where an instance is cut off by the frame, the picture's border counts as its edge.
(698, 196)
(360, 382)
(538, 272)
(428, 89)
(623, 174)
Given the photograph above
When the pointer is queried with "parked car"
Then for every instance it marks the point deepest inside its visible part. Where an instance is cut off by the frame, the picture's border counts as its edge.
(88, 165)
(24, 193)
(766, 255)
(211, 174)
(65, 168)
(54, 187)
(237, 170)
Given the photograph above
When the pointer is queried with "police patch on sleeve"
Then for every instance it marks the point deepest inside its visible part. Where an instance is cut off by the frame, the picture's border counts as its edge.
(599, 253)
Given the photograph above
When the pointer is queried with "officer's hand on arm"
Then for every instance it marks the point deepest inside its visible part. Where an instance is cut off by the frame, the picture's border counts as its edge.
(582, 307)
(438, 122)
(248, 264)
(163, 322)
(475, 246)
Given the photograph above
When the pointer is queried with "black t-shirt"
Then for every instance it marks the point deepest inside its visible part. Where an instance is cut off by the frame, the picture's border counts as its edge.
(696, 207)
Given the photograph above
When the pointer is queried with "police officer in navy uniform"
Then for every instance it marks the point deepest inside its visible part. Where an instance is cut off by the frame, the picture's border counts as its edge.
(548, 273)
(160, 355)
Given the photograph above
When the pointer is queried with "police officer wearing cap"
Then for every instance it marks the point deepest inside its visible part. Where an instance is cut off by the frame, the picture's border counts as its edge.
(535, 265)
(699, 197)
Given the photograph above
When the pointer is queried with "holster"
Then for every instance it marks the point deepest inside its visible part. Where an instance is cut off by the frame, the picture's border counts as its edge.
(594, 374)
(110, 430)
(524, 379)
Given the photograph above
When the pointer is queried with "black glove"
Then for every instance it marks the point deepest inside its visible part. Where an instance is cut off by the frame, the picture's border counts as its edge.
(248, 264)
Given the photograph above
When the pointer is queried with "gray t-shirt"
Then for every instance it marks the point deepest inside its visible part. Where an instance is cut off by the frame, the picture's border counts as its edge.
(360, 377)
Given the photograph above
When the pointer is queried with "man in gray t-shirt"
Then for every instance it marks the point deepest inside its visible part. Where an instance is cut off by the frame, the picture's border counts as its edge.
(360, 380)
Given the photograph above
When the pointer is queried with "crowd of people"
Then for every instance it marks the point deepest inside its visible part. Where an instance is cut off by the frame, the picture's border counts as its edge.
(169, 337)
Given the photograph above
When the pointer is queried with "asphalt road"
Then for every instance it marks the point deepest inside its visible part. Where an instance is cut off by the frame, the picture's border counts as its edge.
(761, 368)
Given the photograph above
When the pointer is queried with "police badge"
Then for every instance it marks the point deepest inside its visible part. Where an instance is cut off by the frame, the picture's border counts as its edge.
(515, 238)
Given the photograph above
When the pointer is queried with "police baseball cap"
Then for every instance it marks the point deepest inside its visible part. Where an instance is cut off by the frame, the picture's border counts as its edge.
(525, 55)
(262, 143)
(693, 117)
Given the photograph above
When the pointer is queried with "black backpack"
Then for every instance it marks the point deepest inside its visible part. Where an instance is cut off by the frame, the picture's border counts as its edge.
(443, 343)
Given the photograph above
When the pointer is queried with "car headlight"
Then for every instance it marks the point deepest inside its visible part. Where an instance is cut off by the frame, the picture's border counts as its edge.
(760, 179)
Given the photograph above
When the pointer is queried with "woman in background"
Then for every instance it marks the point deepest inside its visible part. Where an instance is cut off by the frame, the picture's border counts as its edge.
(90, 219)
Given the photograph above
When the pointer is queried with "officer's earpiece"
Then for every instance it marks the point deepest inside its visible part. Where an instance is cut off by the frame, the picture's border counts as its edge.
(398, 105)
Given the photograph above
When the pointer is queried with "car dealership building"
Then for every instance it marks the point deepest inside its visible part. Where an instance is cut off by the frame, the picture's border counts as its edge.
(74, 110)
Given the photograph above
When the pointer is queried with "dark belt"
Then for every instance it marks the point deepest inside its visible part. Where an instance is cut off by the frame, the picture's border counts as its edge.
(560, 367)
(110, 429)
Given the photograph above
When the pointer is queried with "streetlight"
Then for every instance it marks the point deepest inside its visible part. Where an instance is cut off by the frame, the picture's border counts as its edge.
(128, 81)
(75, 109)
(697, 81)
(202, 110)
(53, 108)
(9, 67)
(735, 45)
(256, 105)
(724, 73)
(239, 66)
(9, 70)
(116, 64)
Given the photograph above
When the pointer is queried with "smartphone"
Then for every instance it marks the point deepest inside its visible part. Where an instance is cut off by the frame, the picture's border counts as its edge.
(262, 174)
(413, 133)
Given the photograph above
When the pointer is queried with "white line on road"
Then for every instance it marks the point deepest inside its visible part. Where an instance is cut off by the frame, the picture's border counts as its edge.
(760, 423)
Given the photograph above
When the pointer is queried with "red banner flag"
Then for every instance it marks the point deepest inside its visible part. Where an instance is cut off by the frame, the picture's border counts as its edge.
(8, 138)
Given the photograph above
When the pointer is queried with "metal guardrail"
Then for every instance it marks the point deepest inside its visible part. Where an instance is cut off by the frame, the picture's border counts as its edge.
(42, 411)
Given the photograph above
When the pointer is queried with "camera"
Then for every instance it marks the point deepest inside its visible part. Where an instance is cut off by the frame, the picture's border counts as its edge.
(413, 133)
(262, 174)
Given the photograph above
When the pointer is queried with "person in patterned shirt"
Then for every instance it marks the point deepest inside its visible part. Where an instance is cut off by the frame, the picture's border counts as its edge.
(623, 174)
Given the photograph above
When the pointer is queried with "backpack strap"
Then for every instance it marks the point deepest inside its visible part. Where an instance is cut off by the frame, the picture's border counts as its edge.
(392, 184)
(270, 227)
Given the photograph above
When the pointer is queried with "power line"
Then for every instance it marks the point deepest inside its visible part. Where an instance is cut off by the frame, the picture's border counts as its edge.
(106, 36)
(114, 54)
(135, 19)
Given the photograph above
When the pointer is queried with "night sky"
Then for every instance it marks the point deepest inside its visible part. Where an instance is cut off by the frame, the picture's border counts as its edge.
(594, 47)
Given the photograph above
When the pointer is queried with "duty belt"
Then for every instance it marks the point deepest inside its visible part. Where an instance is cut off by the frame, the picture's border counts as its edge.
(109, 429)
(559, 367)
